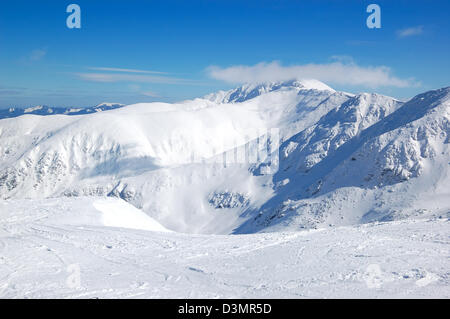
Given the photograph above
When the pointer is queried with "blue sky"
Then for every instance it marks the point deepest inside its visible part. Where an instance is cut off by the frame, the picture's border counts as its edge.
(141, 51)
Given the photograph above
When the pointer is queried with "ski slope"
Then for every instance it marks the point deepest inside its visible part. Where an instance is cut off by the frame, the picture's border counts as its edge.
(58, 248)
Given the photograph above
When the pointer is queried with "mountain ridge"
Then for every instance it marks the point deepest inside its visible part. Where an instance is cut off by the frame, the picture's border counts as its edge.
(47, 110)
(344, 159)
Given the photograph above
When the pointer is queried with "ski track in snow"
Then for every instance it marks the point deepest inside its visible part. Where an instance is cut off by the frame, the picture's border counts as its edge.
(396, 259)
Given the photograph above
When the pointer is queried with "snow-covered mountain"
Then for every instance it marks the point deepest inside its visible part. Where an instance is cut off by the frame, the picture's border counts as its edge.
(342, 171)
(250, 91)
(344, 159)
(46, 110)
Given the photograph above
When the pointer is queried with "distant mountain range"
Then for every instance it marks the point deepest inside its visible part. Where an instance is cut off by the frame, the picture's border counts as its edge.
(46, 110)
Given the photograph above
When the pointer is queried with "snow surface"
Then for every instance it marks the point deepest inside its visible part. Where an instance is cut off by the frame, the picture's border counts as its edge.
(41, 248)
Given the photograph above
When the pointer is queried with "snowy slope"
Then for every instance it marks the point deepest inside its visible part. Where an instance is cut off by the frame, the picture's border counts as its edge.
(344, 159)
(395, 168)
(45, 253)
(250, 91)
(334, 129)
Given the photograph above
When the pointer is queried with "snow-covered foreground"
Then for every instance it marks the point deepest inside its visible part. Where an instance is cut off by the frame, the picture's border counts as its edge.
(69, 248)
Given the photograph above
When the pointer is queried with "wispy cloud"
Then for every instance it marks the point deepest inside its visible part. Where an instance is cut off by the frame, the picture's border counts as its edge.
(136, 78)
(340, 73)
(37, 54)
(137, 89)
(342, 58)
(408, 32)
(124, 70)
(132, 76)
(361, 43)
(9, 92)
(150, 94)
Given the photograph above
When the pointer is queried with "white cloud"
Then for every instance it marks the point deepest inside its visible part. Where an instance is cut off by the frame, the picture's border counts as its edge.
(124, 70)
(150, 94)
(37, 54)
(134, 87)
(133, 76)
(342, 58)
(136, 78)
(410, 31)
(338, 72)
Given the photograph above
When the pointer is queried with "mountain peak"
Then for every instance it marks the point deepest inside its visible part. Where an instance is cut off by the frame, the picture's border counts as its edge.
(252, 90)
(305, 84)
(108, 104)
(310, 84)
